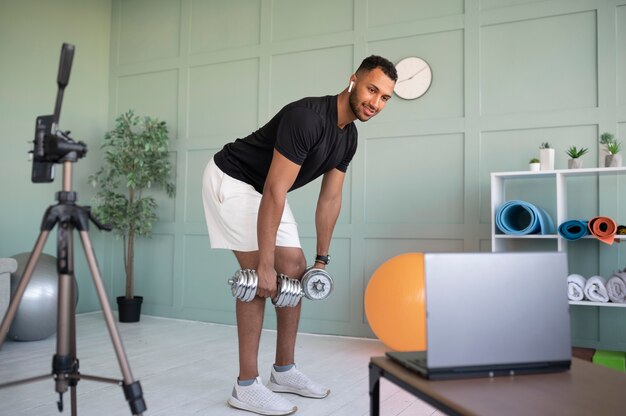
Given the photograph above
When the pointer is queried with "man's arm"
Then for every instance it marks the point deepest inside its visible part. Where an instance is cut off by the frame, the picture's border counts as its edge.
(328, 208)
(280, 178)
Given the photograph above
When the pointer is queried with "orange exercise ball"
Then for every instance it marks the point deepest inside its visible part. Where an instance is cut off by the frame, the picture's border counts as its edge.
(395, 303)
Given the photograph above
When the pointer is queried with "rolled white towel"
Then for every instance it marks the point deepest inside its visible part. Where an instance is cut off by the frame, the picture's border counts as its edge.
(576, 287)
(616, 287)
(595, 289)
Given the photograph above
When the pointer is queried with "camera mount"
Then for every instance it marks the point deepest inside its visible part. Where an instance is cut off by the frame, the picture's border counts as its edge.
(52, 145)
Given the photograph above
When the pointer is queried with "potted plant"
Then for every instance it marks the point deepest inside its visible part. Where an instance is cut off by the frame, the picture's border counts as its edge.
(546, 156)
(575, 162)
(136, 158)
(534, 164)
(612, 146)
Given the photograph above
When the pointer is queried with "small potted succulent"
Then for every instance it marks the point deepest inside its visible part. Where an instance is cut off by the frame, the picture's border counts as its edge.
(534, 165)
(575, 153)
(612, 147)
(546, 156)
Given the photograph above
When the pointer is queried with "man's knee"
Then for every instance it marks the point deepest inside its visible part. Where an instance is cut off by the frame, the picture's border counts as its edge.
(290, 264)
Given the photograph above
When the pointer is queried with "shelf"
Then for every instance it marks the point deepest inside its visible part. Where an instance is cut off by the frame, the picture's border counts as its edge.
(550, 236)
(528, 236)
(558, 179)
(562, 172)
(603, 304)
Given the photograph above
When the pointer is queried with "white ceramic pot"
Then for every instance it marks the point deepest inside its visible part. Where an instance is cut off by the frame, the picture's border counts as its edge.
(546, 158)
(534, 167)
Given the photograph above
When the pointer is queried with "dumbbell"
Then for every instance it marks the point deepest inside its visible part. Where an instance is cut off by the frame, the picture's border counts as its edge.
(316, 284)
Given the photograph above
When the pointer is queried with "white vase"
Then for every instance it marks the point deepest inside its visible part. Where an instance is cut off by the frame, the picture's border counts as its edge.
(546, 158)
(575, 163)
(534, 167)
(612, 161)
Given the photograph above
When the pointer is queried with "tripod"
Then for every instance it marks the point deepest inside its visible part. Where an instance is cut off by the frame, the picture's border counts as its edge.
(58, 147)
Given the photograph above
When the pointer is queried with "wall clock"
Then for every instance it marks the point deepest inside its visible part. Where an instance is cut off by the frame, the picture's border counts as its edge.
(414, 78)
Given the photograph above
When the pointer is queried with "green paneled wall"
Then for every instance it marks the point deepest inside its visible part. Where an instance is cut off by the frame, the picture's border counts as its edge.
(31, 35)
(508, 75)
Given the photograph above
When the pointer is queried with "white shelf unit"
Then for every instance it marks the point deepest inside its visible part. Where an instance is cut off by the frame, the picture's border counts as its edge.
(559, 176)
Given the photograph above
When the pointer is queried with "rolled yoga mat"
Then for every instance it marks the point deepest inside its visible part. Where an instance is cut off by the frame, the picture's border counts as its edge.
(603, 228)
(521, 218)
(573, 229)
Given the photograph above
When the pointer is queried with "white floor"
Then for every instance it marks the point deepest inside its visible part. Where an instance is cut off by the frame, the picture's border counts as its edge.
(188, 368)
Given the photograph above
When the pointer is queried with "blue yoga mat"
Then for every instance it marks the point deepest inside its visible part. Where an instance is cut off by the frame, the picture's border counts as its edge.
(573, 229)
(521, 218)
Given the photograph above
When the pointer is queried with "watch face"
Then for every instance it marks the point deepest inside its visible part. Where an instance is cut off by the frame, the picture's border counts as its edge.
(414, 78)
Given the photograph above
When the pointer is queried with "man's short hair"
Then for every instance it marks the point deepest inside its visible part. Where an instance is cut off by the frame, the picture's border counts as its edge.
(375, 61)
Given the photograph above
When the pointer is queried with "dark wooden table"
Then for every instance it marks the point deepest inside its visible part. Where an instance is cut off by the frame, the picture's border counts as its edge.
(586, 389)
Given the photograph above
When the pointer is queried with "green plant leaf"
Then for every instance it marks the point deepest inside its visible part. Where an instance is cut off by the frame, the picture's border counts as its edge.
(135, 157)
(545, 145)
(575, 152)
(610, 143)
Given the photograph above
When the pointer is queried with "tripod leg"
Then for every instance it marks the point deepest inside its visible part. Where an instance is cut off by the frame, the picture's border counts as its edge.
(74, 381)
(132, 389)
(64, 362)
(21, 287)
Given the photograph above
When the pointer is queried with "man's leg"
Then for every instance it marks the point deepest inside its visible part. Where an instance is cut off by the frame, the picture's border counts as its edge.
(285, 377)
(249, 323)
(291, 262)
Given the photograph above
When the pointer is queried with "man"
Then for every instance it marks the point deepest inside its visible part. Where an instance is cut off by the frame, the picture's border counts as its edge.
(244, 193)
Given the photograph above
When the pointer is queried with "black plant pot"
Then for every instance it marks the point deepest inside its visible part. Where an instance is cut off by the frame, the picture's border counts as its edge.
(129, 309)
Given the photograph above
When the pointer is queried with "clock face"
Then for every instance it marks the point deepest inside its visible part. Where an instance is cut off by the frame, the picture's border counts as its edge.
(414, 78)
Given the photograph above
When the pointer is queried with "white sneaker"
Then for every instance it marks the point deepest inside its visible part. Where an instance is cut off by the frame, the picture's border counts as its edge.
(259, 399)
(293, 381)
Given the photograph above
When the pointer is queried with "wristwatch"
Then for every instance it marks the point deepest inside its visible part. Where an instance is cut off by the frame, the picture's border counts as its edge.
(322, 259)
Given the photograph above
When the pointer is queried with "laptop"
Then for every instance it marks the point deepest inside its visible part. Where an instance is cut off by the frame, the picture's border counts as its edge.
(493, 314)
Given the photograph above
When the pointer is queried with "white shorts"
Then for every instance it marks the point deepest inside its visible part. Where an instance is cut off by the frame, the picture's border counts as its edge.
(231, 208)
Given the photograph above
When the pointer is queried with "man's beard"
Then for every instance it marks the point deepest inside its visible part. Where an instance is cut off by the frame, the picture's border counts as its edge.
(354, 106)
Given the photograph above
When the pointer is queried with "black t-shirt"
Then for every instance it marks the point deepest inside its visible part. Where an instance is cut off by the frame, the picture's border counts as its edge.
(305, 132)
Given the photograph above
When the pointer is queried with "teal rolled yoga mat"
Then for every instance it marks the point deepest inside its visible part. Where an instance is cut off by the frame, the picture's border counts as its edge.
(573, 229)
(520, 218)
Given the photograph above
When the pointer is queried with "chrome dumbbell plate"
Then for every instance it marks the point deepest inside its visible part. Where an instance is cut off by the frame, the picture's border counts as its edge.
(243, 284)
(288, 292)
(317, 284)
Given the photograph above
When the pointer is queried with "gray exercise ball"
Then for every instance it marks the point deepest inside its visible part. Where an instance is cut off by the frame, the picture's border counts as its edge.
(36, 315)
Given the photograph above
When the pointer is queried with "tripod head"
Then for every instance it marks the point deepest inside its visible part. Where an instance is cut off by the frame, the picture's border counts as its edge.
(52, 145)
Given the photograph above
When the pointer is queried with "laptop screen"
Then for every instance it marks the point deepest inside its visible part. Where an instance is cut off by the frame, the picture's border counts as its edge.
(493, 308)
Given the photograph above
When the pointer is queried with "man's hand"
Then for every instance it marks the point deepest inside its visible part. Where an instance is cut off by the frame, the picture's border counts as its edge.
(318, 265)
(267, 286)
